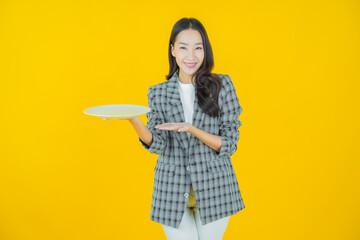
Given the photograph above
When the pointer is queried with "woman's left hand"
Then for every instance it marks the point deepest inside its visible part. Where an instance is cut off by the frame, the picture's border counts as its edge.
(180, 127)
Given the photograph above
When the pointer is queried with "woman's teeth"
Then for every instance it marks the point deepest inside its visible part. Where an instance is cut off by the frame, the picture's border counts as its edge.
(190, 65)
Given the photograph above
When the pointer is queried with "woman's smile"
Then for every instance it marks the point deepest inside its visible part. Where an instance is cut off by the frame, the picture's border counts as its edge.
(190, 65)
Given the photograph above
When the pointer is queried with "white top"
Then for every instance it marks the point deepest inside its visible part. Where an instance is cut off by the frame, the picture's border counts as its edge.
(187, 95)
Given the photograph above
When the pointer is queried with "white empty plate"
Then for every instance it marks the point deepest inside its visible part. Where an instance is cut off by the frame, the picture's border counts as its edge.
(117, 111)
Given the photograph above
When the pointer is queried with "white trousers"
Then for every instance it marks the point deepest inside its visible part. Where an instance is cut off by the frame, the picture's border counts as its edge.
(191, 227)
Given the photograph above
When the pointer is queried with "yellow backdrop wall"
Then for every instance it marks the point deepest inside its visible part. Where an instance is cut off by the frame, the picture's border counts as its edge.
(65, 175)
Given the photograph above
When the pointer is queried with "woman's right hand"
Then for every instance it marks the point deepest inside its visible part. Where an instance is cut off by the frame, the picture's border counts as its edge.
(142, 131)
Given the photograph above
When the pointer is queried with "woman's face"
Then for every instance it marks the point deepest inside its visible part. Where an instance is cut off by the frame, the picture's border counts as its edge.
(189, 52)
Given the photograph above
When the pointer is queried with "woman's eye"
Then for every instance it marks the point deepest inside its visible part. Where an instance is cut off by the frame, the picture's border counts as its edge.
(185, 48)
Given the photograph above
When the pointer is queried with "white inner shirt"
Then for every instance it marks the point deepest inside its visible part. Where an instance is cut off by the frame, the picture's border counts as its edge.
(187, 95)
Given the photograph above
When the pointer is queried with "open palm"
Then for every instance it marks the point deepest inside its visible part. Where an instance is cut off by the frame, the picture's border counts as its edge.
(180, 127)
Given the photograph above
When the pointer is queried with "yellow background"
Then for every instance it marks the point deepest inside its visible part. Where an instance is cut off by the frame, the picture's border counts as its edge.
(68, 175)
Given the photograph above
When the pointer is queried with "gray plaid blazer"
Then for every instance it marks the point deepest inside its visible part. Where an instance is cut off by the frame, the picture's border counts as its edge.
(183, 161)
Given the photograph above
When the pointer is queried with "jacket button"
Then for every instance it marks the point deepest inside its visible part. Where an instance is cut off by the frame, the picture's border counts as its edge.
(186, 195)
(188, 168)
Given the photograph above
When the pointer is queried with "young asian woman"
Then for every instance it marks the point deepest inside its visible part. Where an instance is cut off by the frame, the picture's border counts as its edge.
(193, 128)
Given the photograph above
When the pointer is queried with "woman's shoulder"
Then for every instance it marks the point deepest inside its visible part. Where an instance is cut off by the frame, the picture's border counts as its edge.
(223, 76)
(226, 80)
(158, 86)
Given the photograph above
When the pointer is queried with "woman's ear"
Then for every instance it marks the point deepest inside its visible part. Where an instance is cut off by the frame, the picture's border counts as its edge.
(172, 50)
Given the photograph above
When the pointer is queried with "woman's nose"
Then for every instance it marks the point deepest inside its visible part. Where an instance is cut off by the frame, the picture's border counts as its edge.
(191, 54)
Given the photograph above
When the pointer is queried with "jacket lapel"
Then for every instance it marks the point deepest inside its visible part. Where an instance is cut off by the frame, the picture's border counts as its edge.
(176, 111)
(198, 117)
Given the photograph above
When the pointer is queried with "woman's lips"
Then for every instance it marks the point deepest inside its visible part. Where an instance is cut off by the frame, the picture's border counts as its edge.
(190, 65)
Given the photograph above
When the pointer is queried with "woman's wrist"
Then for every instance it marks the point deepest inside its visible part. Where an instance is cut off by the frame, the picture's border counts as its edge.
(192, 130)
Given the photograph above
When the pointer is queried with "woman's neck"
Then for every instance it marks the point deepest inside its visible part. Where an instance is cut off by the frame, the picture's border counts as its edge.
(184, 78)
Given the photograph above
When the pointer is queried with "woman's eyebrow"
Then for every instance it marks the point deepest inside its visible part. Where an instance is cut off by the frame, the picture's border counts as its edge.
(187, 44)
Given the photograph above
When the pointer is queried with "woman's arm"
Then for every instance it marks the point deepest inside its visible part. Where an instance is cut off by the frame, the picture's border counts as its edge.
(209, 139)
(229, 119)
(144, 133)
(155, 140)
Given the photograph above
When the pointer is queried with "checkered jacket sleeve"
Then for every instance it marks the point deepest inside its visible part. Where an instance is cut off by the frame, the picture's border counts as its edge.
(154, 118)
(229, 120)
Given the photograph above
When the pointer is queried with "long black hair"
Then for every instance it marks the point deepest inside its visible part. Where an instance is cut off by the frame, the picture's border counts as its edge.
(207, 84)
